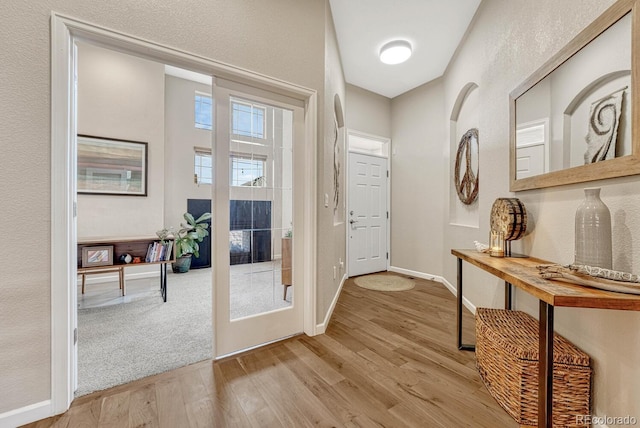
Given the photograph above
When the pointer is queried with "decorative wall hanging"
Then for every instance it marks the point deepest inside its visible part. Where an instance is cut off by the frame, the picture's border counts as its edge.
(565, 85)
(604, 118)
(336, 166)
(509, 218)
(466, 168)
(108, 166)
(338, 155)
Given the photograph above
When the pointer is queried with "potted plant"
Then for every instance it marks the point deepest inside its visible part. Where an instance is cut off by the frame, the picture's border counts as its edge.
(187, 240)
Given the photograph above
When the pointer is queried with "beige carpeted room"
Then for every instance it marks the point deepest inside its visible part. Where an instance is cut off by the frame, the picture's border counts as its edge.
(498, 101)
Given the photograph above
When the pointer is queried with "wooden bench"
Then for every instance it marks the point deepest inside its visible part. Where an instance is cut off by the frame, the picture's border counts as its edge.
(103, 269)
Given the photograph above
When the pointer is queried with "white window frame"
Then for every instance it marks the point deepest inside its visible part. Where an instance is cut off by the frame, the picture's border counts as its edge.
(250, 157)
(198, 125)
(253, 107)
(201, 152)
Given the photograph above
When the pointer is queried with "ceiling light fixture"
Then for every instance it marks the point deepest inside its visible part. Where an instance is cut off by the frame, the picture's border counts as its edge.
(395, 52)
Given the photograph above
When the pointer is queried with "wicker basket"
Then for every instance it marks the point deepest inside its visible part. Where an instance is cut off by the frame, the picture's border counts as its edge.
(507, 359)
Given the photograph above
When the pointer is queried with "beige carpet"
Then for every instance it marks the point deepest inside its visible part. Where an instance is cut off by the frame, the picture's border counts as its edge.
(384, 282)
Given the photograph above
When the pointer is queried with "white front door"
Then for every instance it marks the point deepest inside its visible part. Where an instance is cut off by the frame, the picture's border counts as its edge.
(257, 232)
(367, 214)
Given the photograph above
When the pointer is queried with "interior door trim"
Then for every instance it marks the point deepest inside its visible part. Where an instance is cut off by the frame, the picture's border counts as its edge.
(65, 31)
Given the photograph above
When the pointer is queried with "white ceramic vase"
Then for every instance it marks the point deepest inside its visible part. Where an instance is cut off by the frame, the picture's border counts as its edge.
(593, 231)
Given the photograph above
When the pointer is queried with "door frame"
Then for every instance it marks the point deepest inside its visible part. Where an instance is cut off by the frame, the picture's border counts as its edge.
(254, 330)
(65, 31)
(385, 155)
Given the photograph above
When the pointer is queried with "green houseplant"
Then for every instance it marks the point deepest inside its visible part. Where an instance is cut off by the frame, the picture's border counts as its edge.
(187, 240)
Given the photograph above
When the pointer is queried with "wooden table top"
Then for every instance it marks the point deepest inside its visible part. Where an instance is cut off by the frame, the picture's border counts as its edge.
(522, 273)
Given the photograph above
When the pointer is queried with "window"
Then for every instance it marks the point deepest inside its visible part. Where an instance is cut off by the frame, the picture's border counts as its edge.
(247, 171)
(203, 111)
(203, 171)
(248, 120)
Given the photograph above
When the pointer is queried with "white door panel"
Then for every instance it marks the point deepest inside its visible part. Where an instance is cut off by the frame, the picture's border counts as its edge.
(530, 161)
(367, 214)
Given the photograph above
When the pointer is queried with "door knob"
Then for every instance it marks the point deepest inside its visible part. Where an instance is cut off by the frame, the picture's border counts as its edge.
(353, 221)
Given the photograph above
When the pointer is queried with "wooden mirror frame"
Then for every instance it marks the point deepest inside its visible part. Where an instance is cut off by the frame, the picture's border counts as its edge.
(618, 167)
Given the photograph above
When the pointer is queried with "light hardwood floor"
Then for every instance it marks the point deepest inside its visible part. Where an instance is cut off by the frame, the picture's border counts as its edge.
(387, 359)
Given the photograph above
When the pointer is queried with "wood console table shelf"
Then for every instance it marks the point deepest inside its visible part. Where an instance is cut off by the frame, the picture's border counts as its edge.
(522, 273)
(136, 247)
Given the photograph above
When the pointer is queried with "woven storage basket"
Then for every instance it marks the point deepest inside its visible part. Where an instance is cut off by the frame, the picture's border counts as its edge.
(507, 359)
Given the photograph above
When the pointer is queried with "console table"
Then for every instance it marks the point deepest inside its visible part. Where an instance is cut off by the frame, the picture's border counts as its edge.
(136, 247)
(522, 273)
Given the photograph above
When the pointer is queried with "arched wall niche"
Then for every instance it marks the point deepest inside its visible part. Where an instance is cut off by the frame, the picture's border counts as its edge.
(464, 116)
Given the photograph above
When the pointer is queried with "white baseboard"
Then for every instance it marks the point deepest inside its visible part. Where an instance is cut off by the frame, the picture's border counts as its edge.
(321, 328)
(26, 415)
(437, 278)
(99, 279)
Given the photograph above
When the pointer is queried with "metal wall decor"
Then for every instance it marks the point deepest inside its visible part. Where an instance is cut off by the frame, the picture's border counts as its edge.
(466, 168)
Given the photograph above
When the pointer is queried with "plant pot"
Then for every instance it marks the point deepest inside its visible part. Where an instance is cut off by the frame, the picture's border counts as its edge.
(182, 264)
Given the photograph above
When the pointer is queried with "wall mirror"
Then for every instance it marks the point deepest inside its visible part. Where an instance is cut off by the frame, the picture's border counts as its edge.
(575, 118)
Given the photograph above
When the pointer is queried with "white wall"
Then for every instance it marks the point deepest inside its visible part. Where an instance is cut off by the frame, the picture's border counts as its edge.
(509, 40)
(331, 236)
(418, 145)
(181, 137)
(244, 33)
(368, 112)
(122, 96)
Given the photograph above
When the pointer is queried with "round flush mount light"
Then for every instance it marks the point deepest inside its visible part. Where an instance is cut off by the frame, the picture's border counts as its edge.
(395, 52)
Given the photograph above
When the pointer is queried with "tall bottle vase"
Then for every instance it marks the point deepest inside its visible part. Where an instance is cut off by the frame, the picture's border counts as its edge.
(593, 231)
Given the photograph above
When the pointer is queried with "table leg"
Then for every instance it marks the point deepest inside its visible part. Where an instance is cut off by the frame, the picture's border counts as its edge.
(121, 278)
(508, 292)
(163, 281)
(545, 367)
(461, 346)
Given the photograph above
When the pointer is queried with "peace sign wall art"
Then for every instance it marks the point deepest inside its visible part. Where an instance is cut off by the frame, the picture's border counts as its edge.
(466, 169)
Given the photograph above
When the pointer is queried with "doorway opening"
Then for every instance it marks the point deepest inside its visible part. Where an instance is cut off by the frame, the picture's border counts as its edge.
(126, 328)
(65, 33)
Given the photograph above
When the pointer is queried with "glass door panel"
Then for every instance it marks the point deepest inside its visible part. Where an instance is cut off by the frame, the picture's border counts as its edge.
(255, 153)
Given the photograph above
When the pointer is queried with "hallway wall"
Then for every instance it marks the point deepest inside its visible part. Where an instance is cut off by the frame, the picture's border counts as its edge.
(244, 33)
(506, 43)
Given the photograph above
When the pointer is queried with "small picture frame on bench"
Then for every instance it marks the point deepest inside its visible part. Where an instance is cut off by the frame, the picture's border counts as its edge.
(97, 256)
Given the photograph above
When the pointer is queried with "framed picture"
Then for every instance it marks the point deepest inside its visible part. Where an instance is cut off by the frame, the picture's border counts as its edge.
(111, 167)
(97, 256)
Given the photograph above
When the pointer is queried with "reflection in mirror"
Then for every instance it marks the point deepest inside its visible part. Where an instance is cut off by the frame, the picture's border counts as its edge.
(572, 120)
(581, 112)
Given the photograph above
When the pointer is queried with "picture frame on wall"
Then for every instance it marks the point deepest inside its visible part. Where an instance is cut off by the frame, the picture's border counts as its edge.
(101, 255)
(108, 166)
